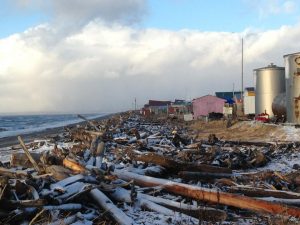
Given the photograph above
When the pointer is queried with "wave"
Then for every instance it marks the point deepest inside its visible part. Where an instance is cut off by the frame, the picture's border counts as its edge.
(26, 124)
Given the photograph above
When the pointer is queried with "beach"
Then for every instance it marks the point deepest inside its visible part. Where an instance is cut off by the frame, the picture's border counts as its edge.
(10, 141)
(156, 170)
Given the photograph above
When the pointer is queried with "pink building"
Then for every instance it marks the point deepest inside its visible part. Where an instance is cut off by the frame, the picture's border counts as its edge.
(206, 104)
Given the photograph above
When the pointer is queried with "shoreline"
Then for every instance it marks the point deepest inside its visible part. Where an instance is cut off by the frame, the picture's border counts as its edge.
(10, 141)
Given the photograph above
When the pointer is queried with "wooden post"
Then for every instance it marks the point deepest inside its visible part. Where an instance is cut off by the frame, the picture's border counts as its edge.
(35, 165)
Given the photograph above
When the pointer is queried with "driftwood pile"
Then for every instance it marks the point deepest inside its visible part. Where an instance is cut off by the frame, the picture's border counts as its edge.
(116, 170)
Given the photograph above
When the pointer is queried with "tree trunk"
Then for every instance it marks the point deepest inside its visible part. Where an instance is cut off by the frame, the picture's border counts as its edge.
(119, 216)
(176, 166)
(210, 195)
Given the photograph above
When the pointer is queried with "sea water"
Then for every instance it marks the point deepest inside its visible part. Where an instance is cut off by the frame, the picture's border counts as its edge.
(24, 124)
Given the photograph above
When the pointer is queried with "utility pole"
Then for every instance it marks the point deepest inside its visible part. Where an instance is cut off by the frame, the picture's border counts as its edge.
(232, 90)
(242, 67)
(135, 104)
(242, 91)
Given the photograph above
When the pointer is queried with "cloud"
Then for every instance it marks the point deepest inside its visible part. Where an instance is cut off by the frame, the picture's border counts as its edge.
(76, 13)
(104, 67)
(267, 8)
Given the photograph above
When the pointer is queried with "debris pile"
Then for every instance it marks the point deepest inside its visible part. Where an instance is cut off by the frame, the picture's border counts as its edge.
(129, 170)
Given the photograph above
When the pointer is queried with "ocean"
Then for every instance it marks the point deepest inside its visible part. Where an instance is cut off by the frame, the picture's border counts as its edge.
(24, 124)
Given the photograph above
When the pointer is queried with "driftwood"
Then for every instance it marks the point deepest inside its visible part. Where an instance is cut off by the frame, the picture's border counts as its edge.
(70, 180)
(89, 122)
(123, 195)
(11, 173)
(100, 154)
(202, 175)
(210, 195)
(176, 166)
(259, 192)
(119, 216)
(58, 172)
(73, 165)
(35, 165)
(204, 213)
(22, 203)
(21, 159)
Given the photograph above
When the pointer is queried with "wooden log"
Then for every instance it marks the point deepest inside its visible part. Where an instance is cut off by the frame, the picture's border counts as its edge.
(89, 122)
(35, 165)
(99, 154)
(259, 192)
(73, 165)
(70, 180)
(202, 175)
(176, 166)
(21, 159)
(122, 195)
(210, 195)
(58, 172)
(12, 173)
(295, 202)
(205, 213)
(104, 202)
(4, 203)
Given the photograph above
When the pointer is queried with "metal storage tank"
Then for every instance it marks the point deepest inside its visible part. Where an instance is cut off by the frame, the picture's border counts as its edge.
(269, 82)
(292, 75)
(279, 106)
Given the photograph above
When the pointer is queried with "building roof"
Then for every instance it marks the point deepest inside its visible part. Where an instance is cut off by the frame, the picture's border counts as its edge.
(158, 103)
(228, 94)
(250, 89)
(208, 96)
(270, 67)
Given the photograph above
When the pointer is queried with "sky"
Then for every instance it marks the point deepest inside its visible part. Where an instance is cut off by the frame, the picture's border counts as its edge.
(73, 56)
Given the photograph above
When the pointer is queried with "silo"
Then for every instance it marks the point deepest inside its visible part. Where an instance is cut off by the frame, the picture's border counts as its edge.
(279, 106)
(292, 75)
(269, 82)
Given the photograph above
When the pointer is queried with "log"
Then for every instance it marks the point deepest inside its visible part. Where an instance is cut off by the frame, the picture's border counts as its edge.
(99, 154)
(73, 165)
(104, 202)
(205, 213)
(295, 202)
(176, 166)
(58, 172)
(202, 175)
(89, 122)
(4, 203)
(11, 173)
(35, 165)
(70, 180)
(260, 192)
(122, 195)
(210, 195)
(21, 159)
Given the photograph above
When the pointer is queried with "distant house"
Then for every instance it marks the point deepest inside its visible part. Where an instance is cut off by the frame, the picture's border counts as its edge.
(157, 107)
(180, 107)
(249, 100)
(206, 104)
(229, 95)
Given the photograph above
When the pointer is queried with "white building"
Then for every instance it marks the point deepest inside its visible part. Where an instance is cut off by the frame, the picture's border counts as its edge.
(249, 101)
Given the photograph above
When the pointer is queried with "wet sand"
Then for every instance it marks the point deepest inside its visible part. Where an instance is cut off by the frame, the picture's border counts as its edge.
(47, 133)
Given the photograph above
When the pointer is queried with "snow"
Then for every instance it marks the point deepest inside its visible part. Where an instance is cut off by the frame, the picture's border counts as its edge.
(282, 164)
